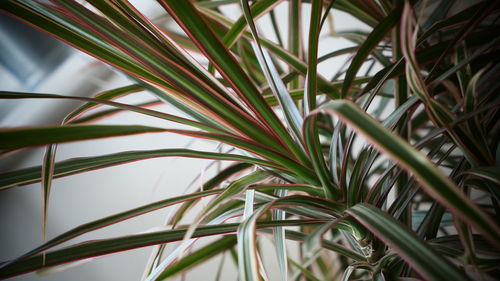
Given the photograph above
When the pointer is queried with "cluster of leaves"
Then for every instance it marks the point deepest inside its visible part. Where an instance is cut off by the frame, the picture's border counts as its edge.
(409, 195)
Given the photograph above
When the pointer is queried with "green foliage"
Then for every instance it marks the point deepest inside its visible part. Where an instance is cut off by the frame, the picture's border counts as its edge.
(410, 195)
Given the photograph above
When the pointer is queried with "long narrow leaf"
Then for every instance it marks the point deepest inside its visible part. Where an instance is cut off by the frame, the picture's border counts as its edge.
(198, 256)
(16, 138)
(112, 245)
(433, 181)
(293, 117)
(191, 20)
(310, 86)
(79, 165)
(412, 249)
(371, 42)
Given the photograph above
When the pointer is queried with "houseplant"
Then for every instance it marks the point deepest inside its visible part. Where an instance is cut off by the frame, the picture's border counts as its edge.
(412, 194)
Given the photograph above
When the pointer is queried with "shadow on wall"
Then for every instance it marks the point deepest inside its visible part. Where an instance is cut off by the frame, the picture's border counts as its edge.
(28, 54)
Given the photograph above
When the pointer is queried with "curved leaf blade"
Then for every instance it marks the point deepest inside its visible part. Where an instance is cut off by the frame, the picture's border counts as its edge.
(432, 180)
(198, 256)
(369, 44)
(292, 115)
(412, 249)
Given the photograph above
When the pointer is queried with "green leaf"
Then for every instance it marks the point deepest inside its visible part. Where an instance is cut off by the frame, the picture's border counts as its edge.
(419, 255)
(355, 187)
(47, 172)
(196, 92)
(472, 22)
(307, 206)
(432, 180)
(247, 251)
(452, 70)
(454, 20)
(50, 152)
(235, 141)
(439, 114)
(94, 101)
(279, 239)
(115, 218)
(235, 188)
(378, 33)
(196, 257)
(20, 137)
(310, 189)
(311, 138)
(291, 59)
(194, 25)
(304, 271)
(292, 114)
(80, 165)
(107, 246)
(106, 95)
(103, 114)
(310, 87)
(294, 34)
(488, 173)
(247, 242)
(326, 244)
(257, 9)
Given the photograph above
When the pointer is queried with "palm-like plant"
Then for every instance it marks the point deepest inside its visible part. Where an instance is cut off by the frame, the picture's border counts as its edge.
(410, 195)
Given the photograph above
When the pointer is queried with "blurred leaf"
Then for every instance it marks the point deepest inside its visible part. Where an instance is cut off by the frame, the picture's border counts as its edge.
(412, 249)
(491, 174)
(198, 256)
(46, 174)
(433, 181)
(439, 114)
(239, 26)
(304, 271)
(310, 87)
(294, 35)
(378, 33)
(291, 59)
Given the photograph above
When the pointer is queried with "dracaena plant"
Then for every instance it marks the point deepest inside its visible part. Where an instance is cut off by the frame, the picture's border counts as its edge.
(406, 195)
